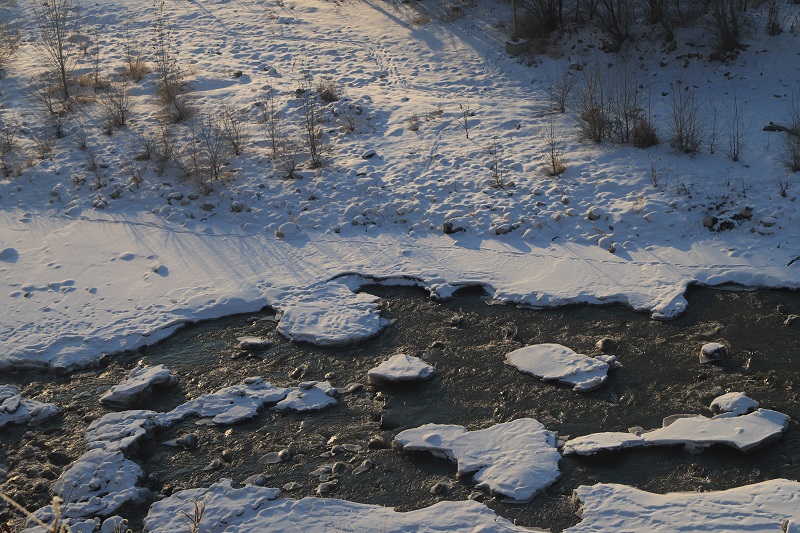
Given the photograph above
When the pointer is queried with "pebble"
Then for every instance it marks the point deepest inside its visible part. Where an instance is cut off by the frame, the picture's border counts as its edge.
(188, 441)
(365, 466)
(377, 443)
(325, 488)
(336, 449)
(216, 464)
(227, 455)
(292, 486)
(338, 467)
(438, 488)
(354, 448)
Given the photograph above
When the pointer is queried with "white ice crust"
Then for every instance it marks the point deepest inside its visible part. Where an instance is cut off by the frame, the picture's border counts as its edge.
(140, 381)
(741, 431)
(400, 367)
(515, 459)
(14, 409)
(256, 509)
(768, 507)
(554, 362)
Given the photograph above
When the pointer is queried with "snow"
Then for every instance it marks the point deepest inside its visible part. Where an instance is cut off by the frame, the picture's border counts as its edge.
(309, 396)
(400, 367)
(252, 508)
(119, 431)
(140, 382)
(764, 507)
(554, 362)
(14, 409)
(514, 459)
(735, 403)
(738, 427)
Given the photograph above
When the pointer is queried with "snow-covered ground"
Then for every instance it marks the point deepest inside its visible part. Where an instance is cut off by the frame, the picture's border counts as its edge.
(93, 262)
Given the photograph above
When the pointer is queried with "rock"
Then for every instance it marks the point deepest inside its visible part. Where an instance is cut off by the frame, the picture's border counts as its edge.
(369, 154)
(227, 455)
(365, 466)
(216, 464)
(292, 486)
(456, 320)
(325, 488)
(377, 443)
(790, 319)
(711, 352)
(452, 226)
(709, 221)
(237, 206)
(605, 344)
(188, 441)
(206, 206)
(438, 488)
(768, 222)
(287, 229)
(594, 213)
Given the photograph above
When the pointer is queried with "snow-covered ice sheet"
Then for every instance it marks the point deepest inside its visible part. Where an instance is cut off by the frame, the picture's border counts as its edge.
(256, 509)
(400, 367)
(14, 409)
(735, 403)
(768, 507)
(119, 431)
(554, 362)
(140, 381)
(308, 396)
(514, 459)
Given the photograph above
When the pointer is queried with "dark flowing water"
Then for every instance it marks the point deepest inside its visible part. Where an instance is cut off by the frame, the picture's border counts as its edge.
(473, 387)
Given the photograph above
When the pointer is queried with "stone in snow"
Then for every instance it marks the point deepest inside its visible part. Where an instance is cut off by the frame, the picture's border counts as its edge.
(735, 403)
(400, 367)
(255, 509)
(14, 409)
(743, 431)
(554, 362)
(769, 506)
(712, 351)
(515, 459)
(139, 383)
(252, 343)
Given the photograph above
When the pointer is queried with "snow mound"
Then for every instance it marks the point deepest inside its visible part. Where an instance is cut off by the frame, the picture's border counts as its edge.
(330, 314)
(770, 506)
(400, 367)
(741, 431)
(119, 431)
(309, 396)
(251, 508)
(554, 362)
(97, 484)
(140, 382)
(14, 409)
(231, 404)
(733, 404)
(514, 459)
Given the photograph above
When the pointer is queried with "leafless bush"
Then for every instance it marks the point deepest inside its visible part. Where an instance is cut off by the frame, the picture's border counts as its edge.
(272, 121)
(774, 26)
(644, 133)
(214, 149)
(561, 89)
(541, 17)
(790, 151)
(593, 104)
(624, 106)
(9, 40)
(310, 121)
(58, 32)
(555, 156)
(288, 156)
(117, 104)
(616, 17)
(738, 133)
(328, 90)
(159, 147)
(45, 95)
(715, 107)
(782, 183)
(136, 67)
(43, 143)
(685, 119)
(495, 152)
(465, 111)
(413, 122)
(235, 128)
(8, 148)
(171, 77)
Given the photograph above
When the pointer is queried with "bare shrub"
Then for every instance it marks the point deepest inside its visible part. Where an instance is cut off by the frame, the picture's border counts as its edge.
(715, 107)
(561, 89)
(593, 104)
(616, 17)
(272, 121)
(235, 128)
(555, 156)
(685, 119)
(790, 150)
(625, 110)
(541, 17)
(288, 156)
(774, 26)
(328, 89)
(136, 67)
(644, 133)
(727, 24)
(466, 111)
(195, 518)
(159, 147)
(8, 148)
(117, 104)
(45, 95)
(58, 32)
(212, 144)
(9, 40)
(311, 121)
(738, 133)
(171, 82)
(413, 122)
(495, 152)
(43, 143)
(782, 183)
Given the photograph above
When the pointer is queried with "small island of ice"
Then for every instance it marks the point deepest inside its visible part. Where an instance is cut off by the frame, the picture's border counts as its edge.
(14, 409)
(400, 367)
(515, 459)
(140, 381)
(554, 362)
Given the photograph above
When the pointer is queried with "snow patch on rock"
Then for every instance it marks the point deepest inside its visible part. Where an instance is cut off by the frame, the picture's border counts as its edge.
(554, 362)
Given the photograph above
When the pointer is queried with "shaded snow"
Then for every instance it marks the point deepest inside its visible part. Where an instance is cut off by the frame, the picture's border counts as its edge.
(14, 409)
(763, 507)
(251, 508)
(400, 367)
(554, 362)
(514, 459)
(140, 382)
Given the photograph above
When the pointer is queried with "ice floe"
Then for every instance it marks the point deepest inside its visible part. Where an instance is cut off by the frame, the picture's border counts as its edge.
(400, 367)
(515, 459)
(140, 382)
(252, 508)
(554, 362)
(743, 431)
(119, 431)
(14, 409)
(308, 396)
(771, 506)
